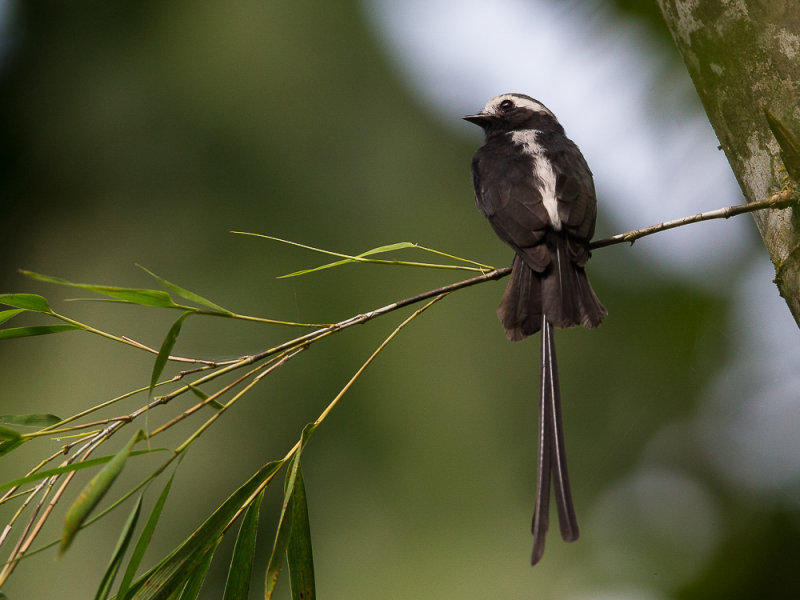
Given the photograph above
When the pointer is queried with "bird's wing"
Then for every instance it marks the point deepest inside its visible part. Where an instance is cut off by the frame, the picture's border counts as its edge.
(577, 203)
(507, 196)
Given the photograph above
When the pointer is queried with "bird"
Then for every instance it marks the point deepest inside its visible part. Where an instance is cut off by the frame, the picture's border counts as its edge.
(534, 186)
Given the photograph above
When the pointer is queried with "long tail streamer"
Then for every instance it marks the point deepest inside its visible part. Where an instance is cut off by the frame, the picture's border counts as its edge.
(552, 455)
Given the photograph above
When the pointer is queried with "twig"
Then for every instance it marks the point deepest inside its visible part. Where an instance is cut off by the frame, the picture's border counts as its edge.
(208, 363)
(783, 199)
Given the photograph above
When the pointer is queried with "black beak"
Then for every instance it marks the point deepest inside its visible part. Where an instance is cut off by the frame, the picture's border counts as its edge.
(479, 119)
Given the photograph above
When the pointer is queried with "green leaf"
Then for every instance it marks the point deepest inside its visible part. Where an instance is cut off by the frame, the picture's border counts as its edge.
(18, 332)
(93, 493)
(139, 296)
(86, 464)
(166, 348)
(187, 294)
(5, 315)
(285, 522)
(144, 540)
(172, 573)
(32, 420)
(196, 578)
(119, 552)
(6, 447)
(32, 302)
(8, 435)
(238, 582)
(281, 540)
(203, 396)
(349, 259)
(298, 553)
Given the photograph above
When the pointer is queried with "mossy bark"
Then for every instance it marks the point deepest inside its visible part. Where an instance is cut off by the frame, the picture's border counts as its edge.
(744, 59)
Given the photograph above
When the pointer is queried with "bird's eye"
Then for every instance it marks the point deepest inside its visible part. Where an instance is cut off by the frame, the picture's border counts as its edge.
(506, 105)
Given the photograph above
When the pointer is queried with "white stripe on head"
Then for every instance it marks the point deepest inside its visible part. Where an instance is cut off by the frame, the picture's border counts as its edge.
(519, 100)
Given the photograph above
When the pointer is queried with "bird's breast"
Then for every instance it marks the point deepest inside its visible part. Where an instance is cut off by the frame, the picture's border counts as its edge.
(541, 171)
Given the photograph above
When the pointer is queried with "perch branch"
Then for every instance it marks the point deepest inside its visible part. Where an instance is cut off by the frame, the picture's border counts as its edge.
(782, 199)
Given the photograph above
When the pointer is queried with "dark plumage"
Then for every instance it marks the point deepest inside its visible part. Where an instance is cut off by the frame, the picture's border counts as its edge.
(533, 184)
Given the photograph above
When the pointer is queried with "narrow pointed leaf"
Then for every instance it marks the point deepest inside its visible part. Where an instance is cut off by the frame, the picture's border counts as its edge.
(203, 396)
(144, 540)
(93, 493)
(119, 552)
(5, 315)
(140, 296)
(238, 582)
(388, 248)
(187, 294)
(6, 447)
(350, 259)
(32, 302)
(32, 420)
(170, 574)
(166, 348)
(285, 521)
(281, 540)
(8, 435)
(298, 553)
(18, 332)
(192, 589)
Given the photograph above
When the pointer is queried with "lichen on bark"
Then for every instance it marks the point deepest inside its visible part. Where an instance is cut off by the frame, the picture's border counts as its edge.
(744, 57)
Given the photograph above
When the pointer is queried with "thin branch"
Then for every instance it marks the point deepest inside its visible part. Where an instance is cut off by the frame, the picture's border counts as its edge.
(783, 199)
(207, 363)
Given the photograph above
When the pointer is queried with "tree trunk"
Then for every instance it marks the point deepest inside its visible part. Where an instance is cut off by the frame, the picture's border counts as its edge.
(744, 59)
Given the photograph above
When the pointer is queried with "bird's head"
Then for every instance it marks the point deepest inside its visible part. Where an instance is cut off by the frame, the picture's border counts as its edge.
(511, 112)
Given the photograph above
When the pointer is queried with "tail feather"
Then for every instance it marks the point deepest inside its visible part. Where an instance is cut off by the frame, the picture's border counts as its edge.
(552, 465)
(561, 291)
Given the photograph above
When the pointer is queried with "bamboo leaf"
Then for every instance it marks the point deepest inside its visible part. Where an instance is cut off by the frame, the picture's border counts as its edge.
(298, 553)
(285, 521)
(32, 420)
(6, 447)
(349, 259)
(119, 552)
(203, 397)
(93, 493)
(187, 294)
(139, 296)
(86, 464)
(32, 302)
(281, 541)
(5, 315)
(8, 435)
(166, 348)
(171, 573)
(192, 589)
(144, 540)
(18, 332)
(238, 582)
(389, 248)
